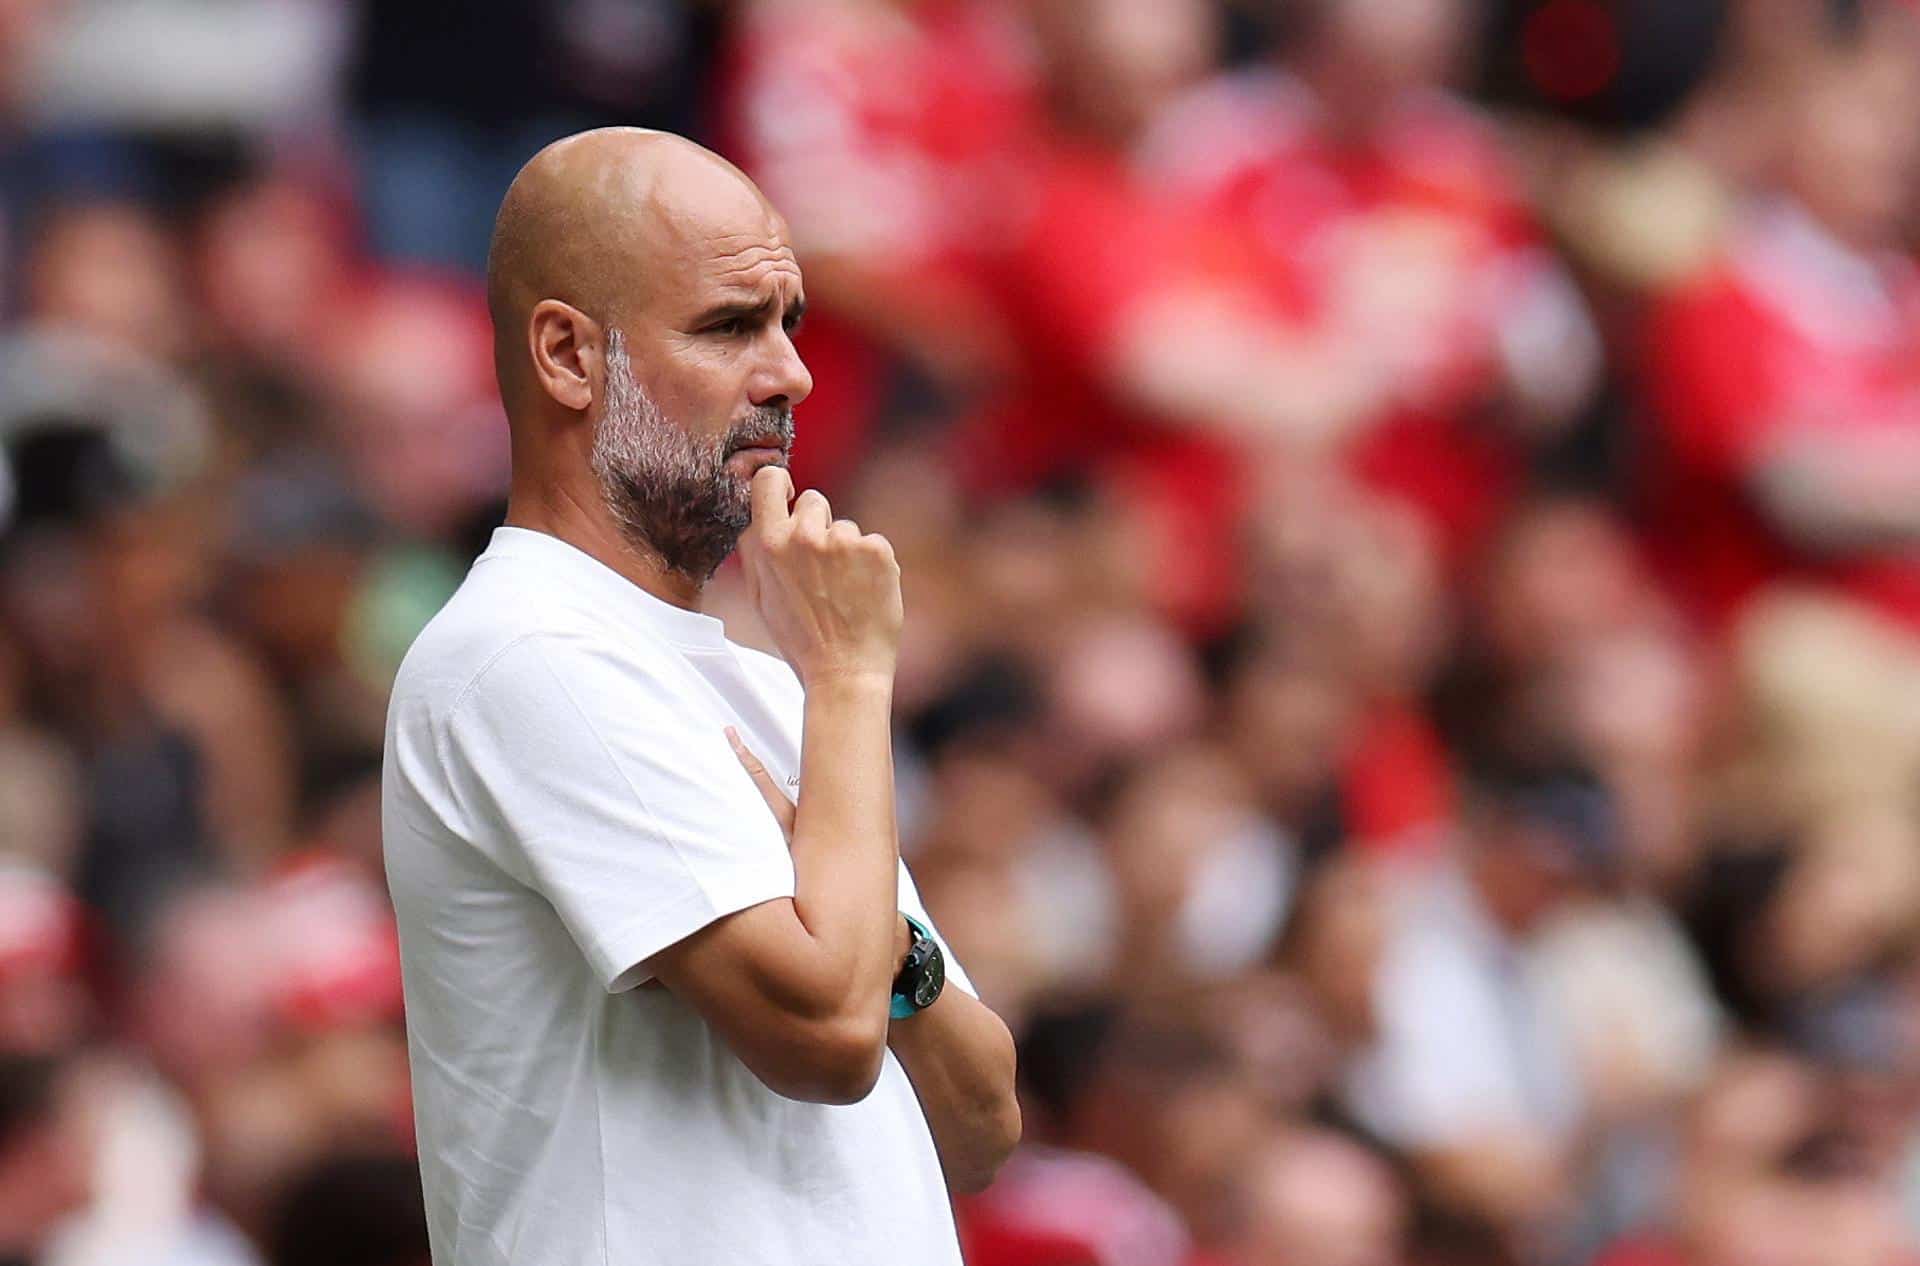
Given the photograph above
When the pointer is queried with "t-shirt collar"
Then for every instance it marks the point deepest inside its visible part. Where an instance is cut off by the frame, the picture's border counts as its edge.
(582, 570)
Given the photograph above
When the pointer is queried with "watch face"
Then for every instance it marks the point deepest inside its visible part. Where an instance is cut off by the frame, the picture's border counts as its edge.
(933, 978)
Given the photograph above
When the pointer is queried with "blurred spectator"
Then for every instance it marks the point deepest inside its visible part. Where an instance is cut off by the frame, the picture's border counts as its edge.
(1473, 1068)
(1321, 1200)
(1424, 756)
(1383, 213)
(883, 130)
(44, 1006)
(110, 271)
(441, 136)
(44, 1152)
(1783, 414)
(1203, 883)
(1144, 358)
(272, 258)
(1164, 1101)
(1782, 377)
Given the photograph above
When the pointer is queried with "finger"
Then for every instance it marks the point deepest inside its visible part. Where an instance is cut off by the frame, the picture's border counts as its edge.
(771, 493)
(811, 511)
(784, 810)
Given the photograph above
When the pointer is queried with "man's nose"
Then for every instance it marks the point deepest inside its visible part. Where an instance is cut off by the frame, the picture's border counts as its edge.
(784, 378)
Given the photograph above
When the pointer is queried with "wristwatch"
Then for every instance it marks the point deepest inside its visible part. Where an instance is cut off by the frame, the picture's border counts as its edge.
(922, 975)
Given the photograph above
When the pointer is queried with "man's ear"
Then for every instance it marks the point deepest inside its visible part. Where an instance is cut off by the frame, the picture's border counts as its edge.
(566, 348)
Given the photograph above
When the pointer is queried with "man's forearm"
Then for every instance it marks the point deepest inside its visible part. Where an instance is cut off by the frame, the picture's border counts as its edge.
(960, 1058)
(846, 857)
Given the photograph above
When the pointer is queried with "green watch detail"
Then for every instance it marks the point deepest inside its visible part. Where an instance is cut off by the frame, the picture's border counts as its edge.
(922, 975)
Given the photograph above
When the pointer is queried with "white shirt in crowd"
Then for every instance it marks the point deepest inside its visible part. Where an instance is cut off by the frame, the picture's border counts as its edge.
(561, 803)
(1469, 1046)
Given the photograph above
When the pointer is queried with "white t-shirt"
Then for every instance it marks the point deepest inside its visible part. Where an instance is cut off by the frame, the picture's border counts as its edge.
(560, 803)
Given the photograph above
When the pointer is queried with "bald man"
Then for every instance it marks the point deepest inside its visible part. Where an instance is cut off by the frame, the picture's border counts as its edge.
(671, 996)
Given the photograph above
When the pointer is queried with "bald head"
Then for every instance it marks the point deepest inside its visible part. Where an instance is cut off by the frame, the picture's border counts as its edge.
(597, 219)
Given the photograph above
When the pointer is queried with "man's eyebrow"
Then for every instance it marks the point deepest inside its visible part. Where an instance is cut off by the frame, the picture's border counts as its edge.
(750, 309)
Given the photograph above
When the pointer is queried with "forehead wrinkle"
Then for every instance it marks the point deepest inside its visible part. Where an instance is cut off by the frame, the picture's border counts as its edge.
(754, 276)
(755, 273)
(754, 254)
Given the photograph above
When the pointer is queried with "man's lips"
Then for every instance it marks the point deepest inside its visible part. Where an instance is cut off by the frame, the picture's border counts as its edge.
(760, 454)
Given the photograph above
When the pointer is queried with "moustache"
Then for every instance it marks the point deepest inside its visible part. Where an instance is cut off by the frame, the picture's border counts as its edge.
(763, 428)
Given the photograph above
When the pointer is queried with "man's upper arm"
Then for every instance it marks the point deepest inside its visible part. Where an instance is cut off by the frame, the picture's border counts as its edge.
(635, 823)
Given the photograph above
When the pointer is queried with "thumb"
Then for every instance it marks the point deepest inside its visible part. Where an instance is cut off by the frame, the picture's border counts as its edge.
(771, 493)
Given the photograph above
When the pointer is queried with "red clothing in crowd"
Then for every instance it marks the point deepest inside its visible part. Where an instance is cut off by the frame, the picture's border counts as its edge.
(877, 130)
(1397, 789)
(908, 138)
(1052, 1207)
(1085, 250)
(1789, 333)
(1427, 195)
(1641, 1252)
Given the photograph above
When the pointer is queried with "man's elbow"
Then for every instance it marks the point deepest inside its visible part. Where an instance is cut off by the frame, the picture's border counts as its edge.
(835, 1062)
(998, 1134)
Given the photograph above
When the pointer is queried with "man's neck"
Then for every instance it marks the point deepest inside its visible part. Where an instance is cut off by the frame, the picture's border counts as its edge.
(585, 524)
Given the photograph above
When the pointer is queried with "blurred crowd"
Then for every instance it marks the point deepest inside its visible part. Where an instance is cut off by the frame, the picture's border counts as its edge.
(1410, 516)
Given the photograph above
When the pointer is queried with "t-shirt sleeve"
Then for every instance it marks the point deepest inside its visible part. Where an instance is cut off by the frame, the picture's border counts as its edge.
(911, 904)
(637, 825)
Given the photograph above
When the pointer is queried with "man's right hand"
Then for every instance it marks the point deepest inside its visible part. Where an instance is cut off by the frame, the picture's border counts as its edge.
(829, 594)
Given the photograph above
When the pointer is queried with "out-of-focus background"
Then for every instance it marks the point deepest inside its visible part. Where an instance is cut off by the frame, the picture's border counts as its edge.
(1410, 512)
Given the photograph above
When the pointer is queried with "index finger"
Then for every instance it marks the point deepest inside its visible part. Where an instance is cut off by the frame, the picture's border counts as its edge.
(772, 492)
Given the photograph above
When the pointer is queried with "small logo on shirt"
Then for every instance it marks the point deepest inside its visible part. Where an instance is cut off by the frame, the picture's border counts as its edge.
(793, 780)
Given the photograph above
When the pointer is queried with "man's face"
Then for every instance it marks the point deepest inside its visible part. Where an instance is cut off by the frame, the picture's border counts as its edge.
(700, 388)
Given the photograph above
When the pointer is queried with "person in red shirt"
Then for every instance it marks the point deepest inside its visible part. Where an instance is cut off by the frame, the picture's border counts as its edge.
(1383, 208)
(1105, 333)
(1143, 358)
(1784, 382)
(882, 129)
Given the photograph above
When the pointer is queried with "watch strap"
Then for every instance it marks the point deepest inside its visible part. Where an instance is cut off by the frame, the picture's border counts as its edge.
(903, 1004)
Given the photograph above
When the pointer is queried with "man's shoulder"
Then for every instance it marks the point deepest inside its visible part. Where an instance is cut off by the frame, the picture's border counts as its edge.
(503, 622)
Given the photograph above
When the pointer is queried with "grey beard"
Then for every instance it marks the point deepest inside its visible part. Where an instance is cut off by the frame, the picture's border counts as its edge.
(669, 490)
